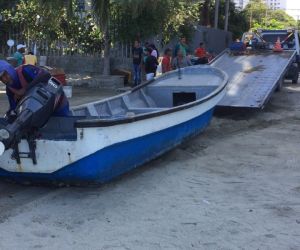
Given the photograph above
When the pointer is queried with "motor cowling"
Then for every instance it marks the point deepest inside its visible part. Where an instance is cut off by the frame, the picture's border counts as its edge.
(32, 112)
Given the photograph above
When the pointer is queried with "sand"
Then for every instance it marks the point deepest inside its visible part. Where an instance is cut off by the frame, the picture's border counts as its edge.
(236, 186)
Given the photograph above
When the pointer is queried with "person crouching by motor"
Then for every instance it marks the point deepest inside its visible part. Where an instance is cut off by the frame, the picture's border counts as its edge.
(19, 80)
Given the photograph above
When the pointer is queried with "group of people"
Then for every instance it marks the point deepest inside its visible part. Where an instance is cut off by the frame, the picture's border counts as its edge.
(179, 57)
(18, 80)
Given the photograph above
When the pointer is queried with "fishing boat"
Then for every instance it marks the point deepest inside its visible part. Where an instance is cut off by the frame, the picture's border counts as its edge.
(107, 138)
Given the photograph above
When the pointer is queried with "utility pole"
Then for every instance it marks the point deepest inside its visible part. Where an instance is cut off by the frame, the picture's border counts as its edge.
(226, 15)
(251, 13)
(217, 3)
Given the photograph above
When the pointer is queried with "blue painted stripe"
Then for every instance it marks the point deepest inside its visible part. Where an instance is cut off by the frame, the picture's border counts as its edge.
(110, 162)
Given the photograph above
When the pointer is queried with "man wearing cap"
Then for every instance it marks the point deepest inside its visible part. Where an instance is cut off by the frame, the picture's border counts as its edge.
(19, 54)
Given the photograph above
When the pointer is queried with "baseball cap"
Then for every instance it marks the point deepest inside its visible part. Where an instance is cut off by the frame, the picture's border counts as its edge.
(20, 46)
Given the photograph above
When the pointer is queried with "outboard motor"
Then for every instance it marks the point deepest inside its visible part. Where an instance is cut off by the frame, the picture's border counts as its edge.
(32, 112)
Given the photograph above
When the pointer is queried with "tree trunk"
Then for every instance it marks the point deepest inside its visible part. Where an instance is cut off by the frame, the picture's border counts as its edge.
(205, 20)
(106, 29)
(226, 15)
(106, 59)
(217, 3)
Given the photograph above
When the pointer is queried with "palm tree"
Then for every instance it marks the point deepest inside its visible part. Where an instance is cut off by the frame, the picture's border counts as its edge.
(101, 10)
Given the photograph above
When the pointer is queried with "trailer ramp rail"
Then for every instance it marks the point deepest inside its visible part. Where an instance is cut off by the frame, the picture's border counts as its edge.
(254, 77)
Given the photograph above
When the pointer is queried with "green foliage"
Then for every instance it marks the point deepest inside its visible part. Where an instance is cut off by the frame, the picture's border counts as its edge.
(35, 22)
(180, 19)
(166, 17)
(283, 18)
(260, 16)
(112, 21)
(238, 24)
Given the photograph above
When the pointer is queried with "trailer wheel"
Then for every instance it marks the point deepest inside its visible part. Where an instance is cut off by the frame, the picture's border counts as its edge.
(295, 79)
(279, 85)
(296, 75)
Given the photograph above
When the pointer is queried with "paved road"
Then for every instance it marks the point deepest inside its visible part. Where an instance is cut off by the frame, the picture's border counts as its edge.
(237, 186)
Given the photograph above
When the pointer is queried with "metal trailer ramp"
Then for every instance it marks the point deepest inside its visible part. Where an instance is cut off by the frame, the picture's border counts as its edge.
(254, 77)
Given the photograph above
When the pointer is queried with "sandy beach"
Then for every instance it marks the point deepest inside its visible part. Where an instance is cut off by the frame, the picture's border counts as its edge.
(236, 186)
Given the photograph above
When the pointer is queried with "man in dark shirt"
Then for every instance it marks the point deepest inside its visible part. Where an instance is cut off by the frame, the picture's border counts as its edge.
(150, 64)
(137, 52)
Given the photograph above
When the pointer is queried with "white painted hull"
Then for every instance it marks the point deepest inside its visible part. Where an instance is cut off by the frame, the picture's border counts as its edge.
(101, 153)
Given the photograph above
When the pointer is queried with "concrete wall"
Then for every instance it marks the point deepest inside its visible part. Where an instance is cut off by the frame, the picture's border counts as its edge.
(76, 63)
(215, 40)
(86, 64)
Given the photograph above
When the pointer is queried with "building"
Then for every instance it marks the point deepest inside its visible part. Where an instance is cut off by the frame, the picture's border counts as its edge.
(276, 4)
(291, 7)
(273, 4)
(240, 4)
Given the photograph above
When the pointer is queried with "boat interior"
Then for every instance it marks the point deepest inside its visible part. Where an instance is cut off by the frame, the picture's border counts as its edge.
(162, 94)
(165, 92)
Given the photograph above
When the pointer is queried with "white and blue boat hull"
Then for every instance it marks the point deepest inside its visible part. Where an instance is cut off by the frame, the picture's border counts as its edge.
(102, 153)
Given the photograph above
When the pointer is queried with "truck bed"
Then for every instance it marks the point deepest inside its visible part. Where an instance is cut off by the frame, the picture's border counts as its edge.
(252, 78)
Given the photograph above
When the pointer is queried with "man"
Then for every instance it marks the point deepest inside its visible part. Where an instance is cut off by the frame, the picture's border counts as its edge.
(181, 61)
(182, 45)
(202, 54)
(30, 59)
(19, 80)
(150, 65)
(166, 65)
(237, 47)
(137, 52)
(18, 55)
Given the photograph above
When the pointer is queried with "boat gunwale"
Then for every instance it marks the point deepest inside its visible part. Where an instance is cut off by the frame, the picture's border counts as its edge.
(90, 123)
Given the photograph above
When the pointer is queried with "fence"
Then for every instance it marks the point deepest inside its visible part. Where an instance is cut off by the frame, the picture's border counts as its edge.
(58, 47)
(61, 49)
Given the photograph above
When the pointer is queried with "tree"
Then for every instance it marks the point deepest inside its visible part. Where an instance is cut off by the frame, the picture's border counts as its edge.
(102, 10)
(101, 13)
(282, 17)
(60, 24)
(31, 21)
(255, 11)
(238, 22)
(260, 16)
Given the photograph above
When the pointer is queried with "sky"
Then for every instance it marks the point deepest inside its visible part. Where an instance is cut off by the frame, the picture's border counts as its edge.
(293, 8)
